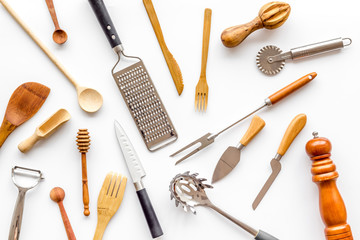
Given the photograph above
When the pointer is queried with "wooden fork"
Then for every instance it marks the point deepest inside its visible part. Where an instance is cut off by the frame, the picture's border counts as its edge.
(110, 198)
(202, 88)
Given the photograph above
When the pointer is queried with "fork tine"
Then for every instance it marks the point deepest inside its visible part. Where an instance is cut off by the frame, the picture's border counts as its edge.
(188, 155)
(117, 186)
(121, 192)
(112, 184)
(105, 187)
(206, 101)
(203, 102)
(196, 100)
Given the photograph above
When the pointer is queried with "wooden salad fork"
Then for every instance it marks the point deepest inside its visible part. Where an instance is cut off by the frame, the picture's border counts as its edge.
(109, 200)
(202, 88)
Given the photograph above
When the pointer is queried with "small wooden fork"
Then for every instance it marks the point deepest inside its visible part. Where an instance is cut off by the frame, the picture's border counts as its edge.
(110, 198)
(202, 88)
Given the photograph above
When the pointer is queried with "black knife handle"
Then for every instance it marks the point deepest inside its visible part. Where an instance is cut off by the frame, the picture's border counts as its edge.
(264, 236)
(149, 213)
(106, 24)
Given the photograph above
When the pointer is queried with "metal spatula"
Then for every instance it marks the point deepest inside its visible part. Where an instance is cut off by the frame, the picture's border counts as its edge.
(137, 89)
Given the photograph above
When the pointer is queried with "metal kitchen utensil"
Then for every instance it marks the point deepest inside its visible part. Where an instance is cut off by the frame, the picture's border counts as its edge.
(209, 138)
(202, 88)
(294, 128)
(137, 89)
(231, 157)
(270, 59)
(137, 172)
(189, 192)
(20, 172)
(89, 99)
(169, 58)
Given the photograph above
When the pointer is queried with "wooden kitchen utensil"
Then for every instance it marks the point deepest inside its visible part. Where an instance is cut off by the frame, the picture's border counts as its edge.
(83, 142)
(231, 157)
(25, 101)
(45, 130)
(169, 58)
(110, 198)
(202, 88)
(272, 15)
(57, 194)
(332, 207)
(89, 99)
(59, 35)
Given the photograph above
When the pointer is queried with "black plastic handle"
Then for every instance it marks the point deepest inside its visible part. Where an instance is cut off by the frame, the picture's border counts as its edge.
(149, 213)
(106, 24)
(264, 236)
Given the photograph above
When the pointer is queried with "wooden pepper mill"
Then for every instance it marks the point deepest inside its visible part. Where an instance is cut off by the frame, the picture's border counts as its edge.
(83, 142)
(332, 207)
(272, 15)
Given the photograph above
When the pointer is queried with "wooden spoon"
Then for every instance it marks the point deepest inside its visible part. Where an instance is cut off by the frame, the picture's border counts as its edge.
(59, 35)
(57, 194)
(26, 100)
(46, 129)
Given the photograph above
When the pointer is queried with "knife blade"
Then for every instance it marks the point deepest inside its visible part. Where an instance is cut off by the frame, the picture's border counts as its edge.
(137, 172)
(294, 128)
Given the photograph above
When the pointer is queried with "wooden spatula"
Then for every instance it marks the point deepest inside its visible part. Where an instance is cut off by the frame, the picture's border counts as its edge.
(110, 198)
(25, 101)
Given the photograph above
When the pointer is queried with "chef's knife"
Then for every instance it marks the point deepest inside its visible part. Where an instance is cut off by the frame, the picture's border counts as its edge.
(295, 127)
(137, 172)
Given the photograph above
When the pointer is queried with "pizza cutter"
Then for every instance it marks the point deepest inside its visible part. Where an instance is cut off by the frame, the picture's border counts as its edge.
(270, 59)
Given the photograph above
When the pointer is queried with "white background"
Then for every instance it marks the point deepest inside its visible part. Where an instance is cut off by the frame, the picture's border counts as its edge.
(290, 208)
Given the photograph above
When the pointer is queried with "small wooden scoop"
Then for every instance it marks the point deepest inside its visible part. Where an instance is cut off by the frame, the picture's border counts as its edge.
(46, 129)
(26, 100)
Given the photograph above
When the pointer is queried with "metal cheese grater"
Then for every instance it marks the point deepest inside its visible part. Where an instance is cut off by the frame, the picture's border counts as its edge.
(137, 89)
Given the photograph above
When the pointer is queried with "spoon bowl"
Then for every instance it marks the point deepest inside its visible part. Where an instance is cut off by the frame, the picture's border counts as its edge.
(89, 99)
(60, 36)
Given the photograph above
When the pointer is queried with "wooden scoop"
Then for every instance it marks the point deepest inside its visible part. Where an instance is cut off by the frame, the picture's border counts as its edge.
(25, 101)
(46, 129)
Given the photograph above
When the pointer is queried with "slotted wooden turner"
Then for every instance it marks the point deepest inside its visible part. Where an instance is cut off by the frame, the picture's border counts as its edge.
(110, 198)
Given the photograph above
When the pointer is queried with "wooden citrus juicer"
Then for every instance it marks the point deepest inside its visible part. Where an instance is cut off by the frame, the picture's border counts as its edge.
(45, 130)
(332, 206)
(89, 99)
(272, 15)
(25, 101)
(59, 35)
(57, 194)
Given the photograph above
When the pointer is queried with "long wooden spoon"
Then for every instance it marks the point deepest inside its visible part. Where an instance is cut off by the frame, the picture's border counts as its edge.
(45, 129)
(59, 35)
(89, 99)
(26, 100)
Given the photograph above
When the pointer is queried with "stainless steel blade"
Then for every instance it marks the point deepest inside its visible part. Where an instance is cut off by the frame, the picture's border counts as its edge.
(226, 164)
(276, 168)
(133, 163)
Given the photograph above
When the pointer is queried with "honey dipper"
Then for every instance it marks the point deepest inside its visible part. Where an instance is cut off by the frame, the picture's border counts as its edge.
(83, 142)
(332, 207)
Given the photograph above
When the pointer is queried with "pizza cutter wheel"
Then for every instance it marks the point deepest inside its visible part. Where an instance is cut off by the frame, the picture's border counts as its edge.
(270, 59)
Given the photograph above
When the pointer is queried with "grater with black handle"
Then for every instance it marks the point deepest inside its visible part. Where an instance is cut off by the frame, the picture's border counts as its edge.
(137, 89)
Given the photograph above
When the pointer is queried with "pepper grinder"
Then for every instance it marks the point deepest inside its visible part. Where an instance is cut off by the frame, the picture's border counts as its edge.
(332, 207)
(83, 142)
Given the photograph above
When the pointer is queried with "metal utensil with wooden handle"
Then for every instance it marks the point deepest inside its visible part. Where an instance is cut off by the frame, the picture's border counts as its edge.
(89, 99)
(231, 157)
(169, 58)
(295, 127)
(209, 138)
(272, 15)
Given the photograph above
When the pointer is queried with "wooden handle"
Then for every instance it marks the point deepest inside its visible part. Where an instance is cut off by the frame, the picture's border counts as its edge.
(102, 223)
(295, 127)
(27, 144)
(51, 8)
(292, 87)
(69, 231)
(206, 39)
(155, 22)
(86, 199)
(233, 36)
(257, 123)
(5, 130)
(332, 206)
(39, 43)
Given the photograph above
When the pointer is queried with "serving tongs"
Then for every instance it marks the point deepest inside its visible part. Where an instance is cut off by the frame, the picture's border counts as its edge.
(209, 138)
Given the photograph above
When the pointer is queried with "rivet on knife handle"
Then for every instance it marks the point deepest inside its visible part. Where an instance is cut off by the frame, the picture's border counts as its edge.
(209, 138)
(296, 125)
